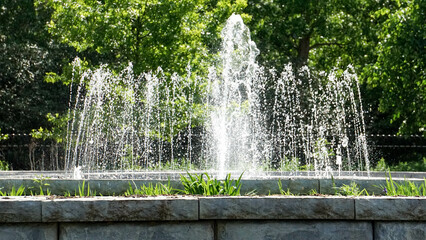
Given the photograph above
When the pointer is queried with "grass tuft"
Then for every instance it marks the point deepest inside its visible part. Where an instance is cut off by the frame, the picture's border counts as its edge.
(203, 184)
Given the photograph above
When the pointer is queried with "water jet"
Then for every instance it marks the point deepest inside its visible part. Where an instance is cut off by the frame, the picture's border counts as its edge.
(241, 117)
(296, 125)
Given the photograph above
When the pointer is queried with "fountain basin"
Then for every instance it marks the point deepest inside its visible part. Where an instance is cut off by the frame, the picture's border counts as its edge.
(116, 183)
(191, 217)
(199, 217)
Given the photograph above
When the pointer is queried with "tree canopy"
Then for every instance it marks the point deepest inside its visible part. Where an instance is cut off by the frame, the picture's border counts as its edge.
(400, 67)
(27, 53)
(155, 33)
(384, 40)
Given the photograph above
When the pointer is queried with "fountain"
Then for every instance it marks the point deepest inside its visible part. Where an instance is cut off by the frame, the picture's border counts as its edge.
(242, 117)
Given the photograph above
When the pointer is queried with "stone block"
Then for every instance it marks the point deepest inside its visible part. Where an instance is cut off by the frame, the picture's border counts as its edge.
(390, 208)
(20, 209)
(138, 230)
(29, 231)
(295, 230)
(120, 209)
(399, 230)
(371, 185)
(270, 186)
(276, 207)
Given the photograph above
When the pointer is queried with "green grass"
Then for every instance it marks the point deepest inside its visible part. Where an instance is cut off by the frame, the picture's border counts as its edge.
(4, 166)
(203, 184)
(83, 191)
(348, 190)
(42, 186)
(150, 190)
(282, 191)
(406, 188)
(345, 190)
(14, 192)
(352, 190)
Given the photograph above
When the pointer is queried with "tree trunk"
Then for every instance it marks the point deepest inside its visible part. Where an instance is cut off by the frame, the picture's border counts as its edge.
(303, 51)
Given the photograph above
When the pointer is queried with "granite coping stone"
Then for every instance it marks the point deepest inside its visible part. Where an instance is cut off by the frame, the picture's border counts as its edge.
(20, 209)
(276, 207)
(294, 230)
(391, 208)
(389, 230)
(29, 231)
(138, 230)
(161, 208)
(194, 208)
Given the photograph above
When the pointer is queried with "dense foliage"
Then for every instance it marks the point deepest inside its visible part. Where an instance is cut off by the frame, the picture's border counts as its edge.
(399, 70)
(27, 53)
(384, 40)
(150, 34)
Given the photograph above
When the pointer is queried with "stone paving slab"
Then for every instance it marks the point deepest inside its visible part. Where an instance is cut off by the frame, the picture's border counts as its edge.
(136, 231)
(399, 230)
(120, 209)
(20, 209)
(294, 230)
(391, 208)
(276, 207)
(29, 231)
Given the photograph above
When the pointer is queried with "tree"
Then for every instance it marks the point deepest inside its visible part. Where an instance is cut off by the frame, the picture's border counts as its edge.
(399, 70)
(149, 34)
(384, 41)
(169, 34)
(316, 33)
(28, 53)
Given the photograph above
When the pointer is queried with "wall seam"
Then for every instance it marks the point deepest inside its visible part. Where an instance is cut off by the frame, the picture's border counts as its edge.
(319, 186)
(58, 232)
(215, 230)
(355, 209)
(198, 207)
(373, 226)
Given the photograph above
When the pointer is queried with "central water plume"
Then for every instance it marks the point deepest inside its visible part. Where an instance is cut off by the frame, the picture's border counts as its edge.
(237, 132)
(241, 117)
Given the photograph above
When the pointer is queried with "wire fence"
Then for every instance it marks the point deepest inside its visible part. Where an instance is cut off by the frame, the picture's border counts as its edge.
(22, 152)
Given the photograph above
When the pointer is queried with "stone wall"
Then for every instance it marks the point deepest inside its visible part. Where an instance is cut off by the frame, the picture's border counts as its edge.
(216, 218)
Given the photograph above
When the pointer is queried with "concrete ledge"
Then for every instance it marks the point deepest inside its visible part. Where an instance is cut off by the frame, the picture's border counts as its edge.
(276, 207)
(270, 186)
(136, 231)
(391, 208)
(20, 209)
(108, 187)
(120, 209)
(294, 230)
(191, 208)
(372, 185)
(36, 231)
(398, 230)
(197, 217)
